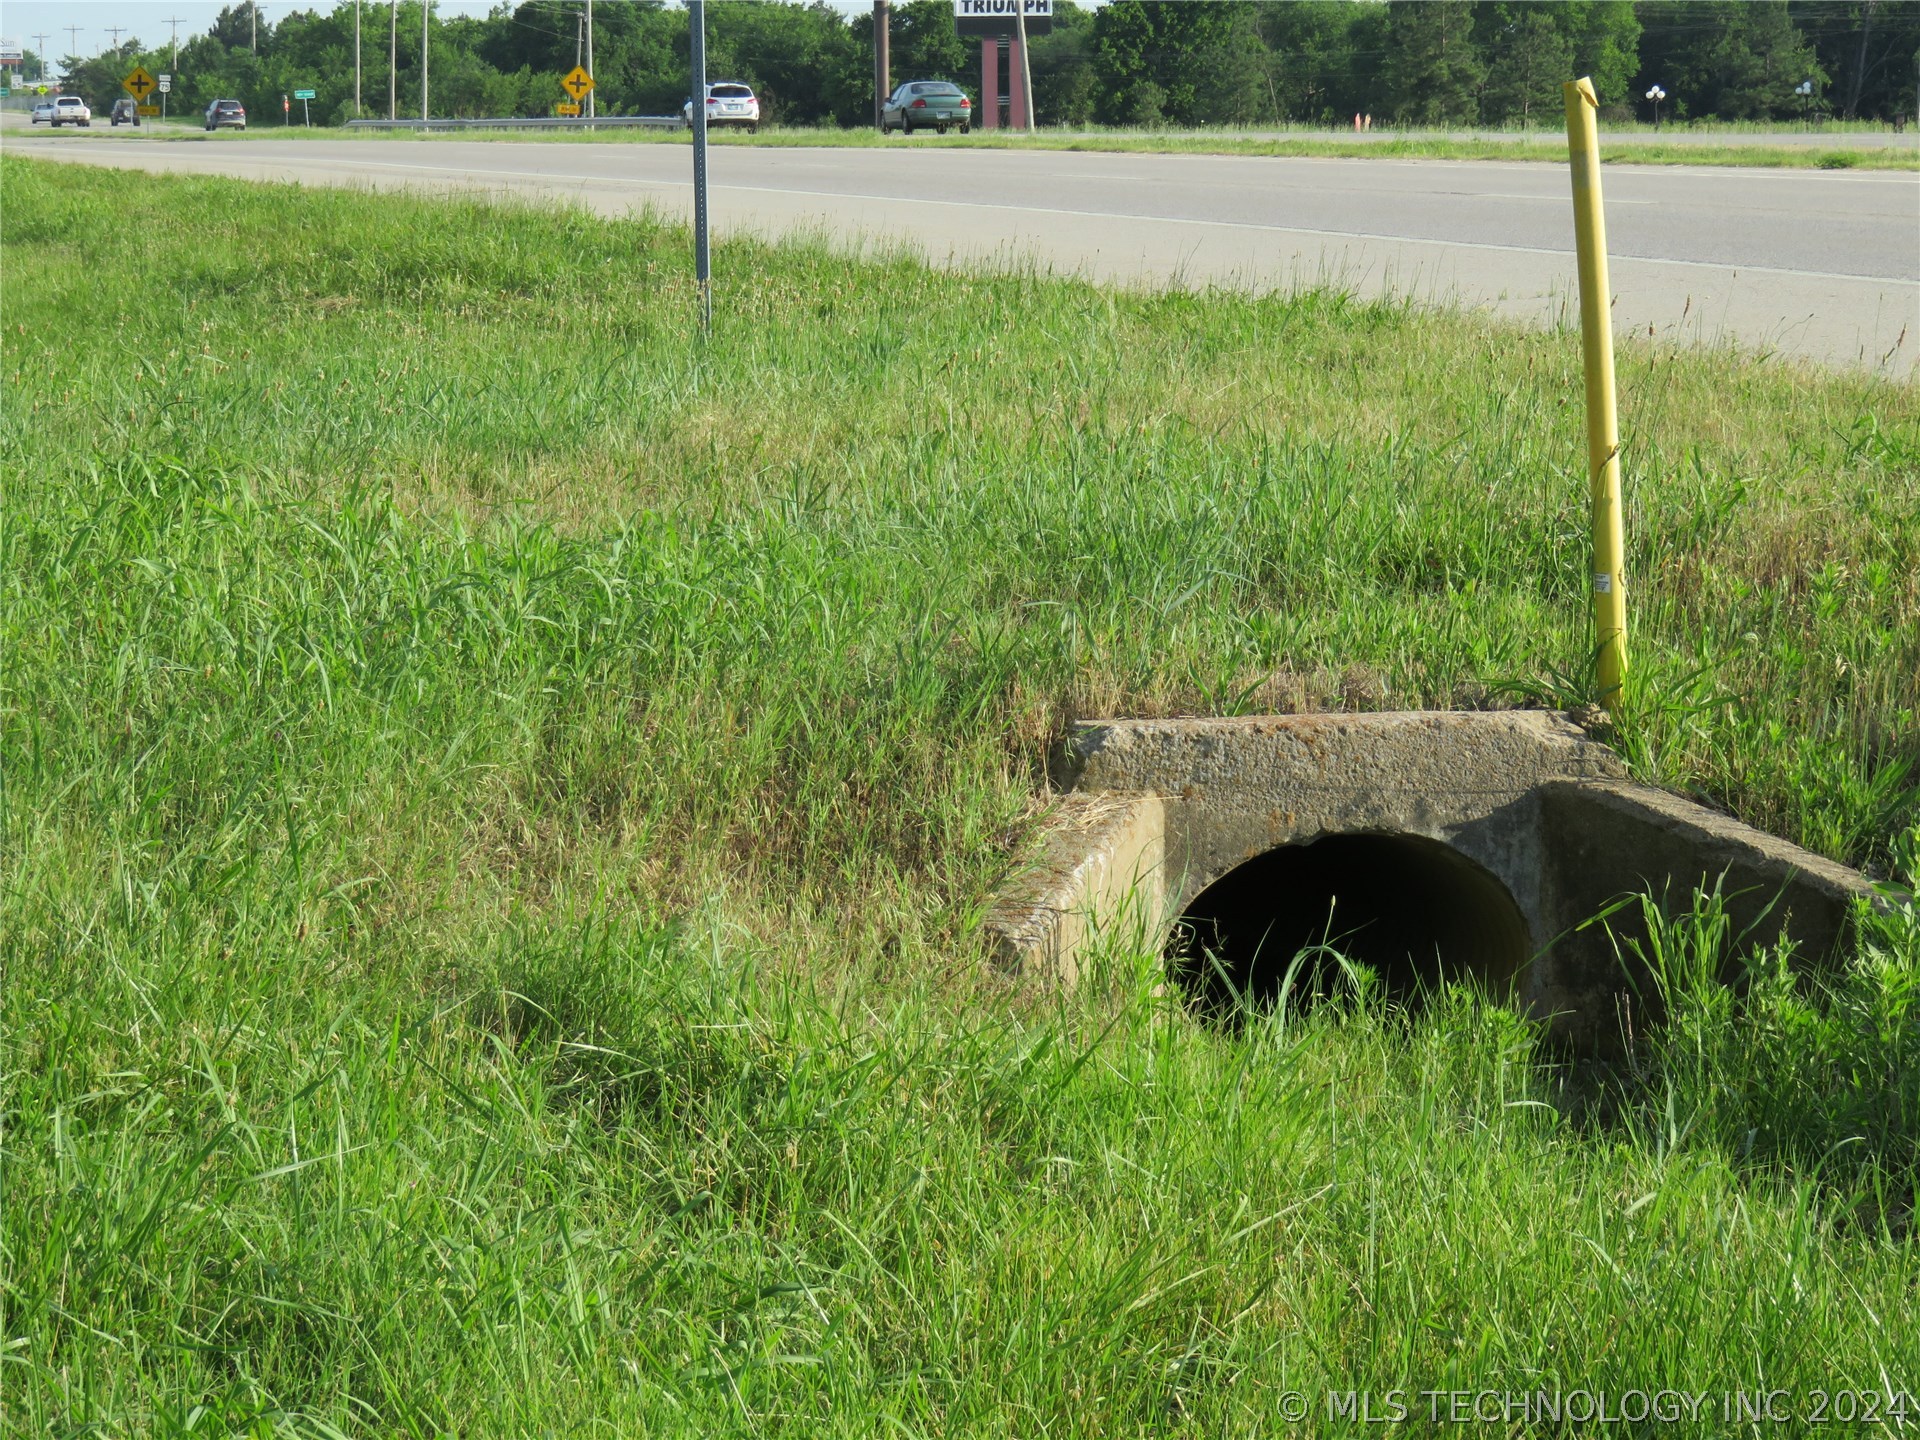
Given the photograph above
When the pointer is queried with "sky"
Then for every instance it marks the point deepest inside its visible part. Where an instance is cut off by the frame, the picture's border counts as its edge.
(146, 20)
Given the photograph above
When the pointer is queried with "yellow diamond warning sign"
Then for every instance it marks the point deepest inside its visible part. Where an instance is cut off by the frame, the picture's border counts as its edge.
(139, 84)
(577, 83)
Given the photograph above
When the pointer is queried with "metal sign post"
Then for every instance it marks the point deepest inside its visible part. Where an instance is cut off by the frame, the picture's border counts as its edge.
(702, 255)
(306, 115)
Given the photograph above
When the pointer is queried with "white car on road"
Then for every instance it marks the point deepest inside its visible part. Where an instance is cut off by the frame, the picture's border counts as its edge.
(728, 103)
(70, 110)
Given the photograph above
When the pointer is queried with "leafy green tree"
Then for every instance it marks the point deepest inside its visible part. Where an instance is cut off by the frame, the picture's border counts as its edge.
(1234, 88)
(1606, 44)
(1187, 63)
(1321, 56)
(237, 26)
(792, 55)
(1136, 62)
(1738, 59)
(1529, 56)
(1064, 82)
(1434, 70)
(96, 79)
(1871, 48)
(924, 46)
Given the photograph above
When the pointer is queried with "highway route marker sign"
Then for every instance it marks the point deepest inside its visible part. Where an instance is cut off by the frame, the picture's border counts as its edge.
(577, 83)
(166, 83)
(139, 84)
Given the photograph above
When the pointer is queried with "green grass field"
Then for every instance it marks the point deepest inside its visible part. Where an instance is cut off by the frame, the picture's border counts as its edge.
(498, 798)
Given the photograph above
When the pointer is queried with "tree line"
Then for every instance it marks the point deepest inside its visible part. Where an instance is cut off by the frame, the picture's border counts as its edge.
(1131, 62)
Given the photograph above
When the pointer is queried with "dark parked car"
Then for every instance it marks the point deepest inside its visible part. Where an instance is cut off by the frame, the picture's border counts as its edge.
(926, 105)
(230, 114)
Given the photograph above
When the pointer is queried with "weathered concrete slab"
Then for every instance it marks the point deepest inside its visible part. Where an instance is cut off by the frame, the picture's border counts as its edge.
(1102, 862)
(1158, 811)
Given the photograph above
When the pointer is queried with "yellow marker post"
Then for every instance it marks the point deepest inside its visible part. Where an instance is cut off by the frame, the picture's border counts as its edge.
(1603, 423)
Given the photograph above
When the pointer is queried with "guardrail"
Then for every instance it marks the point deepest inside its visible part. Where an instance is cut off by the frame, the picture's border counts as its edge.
(543, 122)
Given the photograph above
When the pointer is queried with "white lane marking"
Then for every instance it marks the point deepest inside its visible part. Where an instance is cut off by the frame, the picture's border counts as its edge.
(479, 176)
(1612, 200)
(1349, 190)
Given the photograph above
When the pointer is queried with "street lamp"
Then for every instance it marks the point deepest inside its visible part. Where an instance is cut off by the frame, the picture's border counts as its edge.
(1656, 95)
(1805, 91)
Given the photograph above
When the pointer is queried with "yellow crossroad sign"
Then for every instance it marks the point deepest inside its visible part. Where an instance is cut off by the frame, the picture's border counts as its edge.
(139, 84)
(577, 83)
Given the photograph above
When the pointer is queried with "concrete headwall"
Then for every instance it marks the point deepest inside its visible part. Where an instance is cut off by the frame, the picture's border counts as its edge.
(1525, 796)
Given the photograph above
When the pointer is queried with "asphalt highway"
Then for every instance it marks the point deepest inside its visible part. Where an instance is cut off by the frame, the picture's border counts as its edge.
(1820, 265)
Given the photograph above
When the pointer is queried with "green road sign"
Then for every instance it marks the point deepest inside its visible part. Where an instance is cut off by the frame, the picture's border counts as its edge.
(303, 94)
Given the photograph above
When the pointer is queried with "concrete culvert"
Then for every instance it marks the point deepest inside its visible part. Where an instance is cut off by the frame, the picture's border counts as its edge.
(1448, 845)
(1414, 911)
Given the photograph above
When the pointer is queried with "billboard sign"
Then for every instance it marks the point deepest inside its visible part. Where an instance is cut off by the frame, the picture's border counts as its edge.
(988, 19)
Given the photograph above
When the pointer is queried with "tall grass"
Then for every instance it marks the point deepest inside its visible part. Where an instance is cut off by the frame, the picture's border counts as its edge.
(498, 799)
(1816, 1072)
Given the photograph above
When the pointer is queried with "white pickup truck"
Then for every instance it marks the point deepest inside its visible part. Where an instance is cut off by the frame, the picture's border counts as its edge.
(71, 110)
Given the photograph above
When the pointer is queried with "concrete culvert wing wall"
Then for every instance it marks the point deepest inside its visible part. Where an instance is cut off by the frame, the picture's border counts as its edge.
(1447, 844)
(1414, 911)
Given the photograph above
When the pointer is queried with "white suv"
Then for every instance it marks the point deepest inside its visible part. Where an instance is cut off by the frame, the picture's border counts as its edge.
(728, 103)
(71, 110)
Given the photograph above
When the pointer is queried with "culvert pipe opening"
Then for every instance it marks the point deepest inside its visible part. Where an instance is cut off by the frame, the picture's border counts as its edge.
(1414, 911)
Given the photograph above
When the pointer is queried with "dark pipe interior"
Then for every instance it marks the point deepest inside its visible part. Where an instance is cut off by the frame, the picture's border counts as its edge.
(1412, 910)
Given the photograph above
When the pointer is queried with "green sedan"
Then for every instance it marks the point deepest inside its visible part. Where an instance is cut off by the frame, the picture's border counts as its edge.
(926, 105)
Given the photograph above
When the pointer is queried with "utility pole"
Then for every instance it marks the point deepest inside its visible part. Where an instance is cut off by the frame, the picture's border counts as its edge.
(176, 44)
(393, 63)
(591, 108)
(253, 12)
(114, 31)
(1860, 63)
(356, 59)
(1026, 70)
(43, 57)
(426, 40)
(882, 60)
(73, 38)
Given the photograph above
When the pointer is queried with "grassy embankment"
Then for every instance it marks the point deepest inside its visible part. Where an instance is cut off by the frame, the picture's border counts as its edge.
(497, 796)
(1630, 148)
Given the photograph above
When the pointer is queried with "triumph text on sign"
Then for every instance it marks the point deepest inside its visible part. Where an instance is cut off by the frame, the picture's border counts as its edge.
(997, 19)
